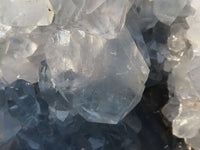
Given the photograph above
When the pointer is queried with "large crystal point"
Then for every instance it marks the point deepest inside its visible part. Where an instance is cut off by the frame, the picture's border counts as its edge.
(105, 77)
(26, 12)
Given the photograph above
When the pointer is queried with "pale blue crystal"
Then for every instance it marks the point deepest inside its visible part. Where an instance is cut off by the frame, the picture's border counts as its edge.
(22, 102)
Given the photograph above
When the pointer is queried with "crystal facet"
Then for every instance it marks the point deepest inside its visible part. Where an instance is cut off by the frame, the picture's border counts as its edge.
(26, 12)
(100, 74)
(22, 102)
(167, 10)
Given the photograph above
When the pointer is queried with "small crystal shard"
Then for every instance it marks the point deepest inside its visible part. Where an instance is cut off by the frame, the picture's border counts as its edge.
(3, 30)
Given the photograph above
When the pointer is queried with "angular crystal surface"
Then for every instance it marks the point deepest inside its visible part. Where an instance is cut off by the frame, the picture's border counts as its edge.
(26, 13)
(14, 60)
(102, 17)
(22, 102)
(3, 30)
(106, 20)
(101, 74)
(9, 126)
(58, 106)
(141, 15)
(194, 142)
(68, 59)
(167, 10)
(176, 41)
(183, 81)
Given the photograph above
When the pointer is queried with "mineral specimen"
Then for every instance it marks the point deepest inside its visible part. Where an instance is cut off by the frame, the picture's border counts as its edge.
(88, 73)
(67, 65)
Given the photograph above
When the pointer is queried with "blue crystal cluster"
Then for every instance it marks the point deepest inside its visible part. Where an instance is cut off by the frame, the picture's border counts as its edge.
(97, 74)
(28, 126)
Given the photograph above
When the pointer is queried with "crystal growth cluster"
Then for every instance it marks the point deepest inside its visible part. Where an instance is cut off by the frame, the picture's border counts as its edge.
(183, 63)
(67, 66)
(78, 54)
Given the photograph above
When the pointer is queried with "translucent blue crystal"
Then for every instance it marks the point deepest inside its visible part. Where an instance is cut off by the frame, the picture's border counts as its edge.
(22, 102)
